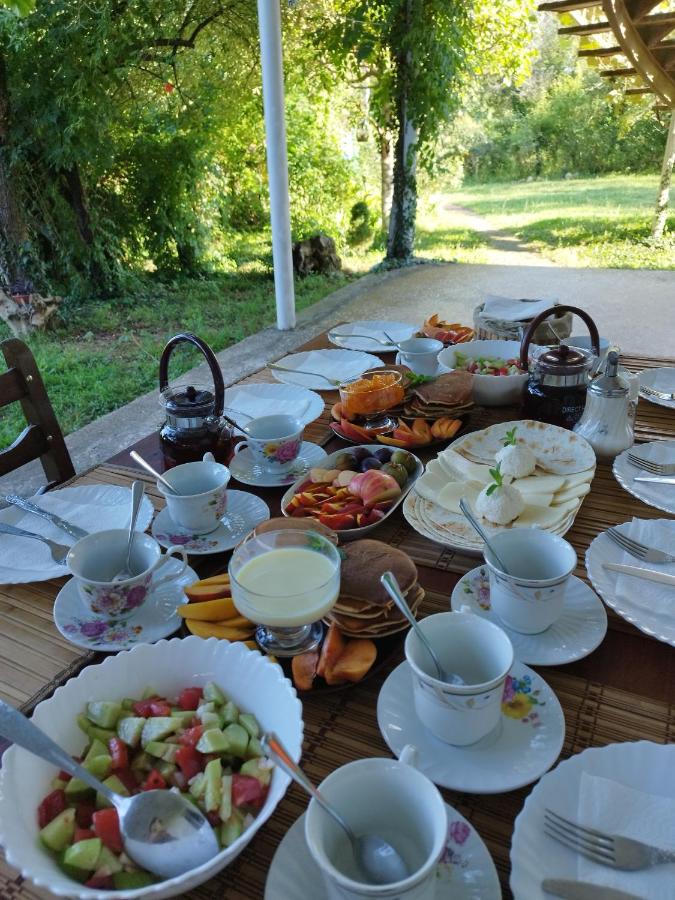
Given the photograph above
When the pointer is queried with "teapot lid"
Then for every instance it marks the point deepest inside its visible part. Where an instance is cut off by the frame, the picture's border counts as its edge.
(188, 401)
(564, 360)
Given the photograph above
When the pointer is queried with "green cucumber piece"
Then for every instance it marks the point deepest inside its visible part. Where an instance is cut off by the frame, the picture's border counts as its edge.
(129, 730)
(185, 716)
(58, 833)
(128, 703)
(149, 693)
(213, 781)
(129, 881)
(92, 731)
(104, 713)
(254, 749)
(212, 741)
(142, 763)
(231, 830)
(213, 693)
(57, 784)
(116, 786)
(250, 723)
(96, 748)
(208, 707)
(83, 855)
(157, 728)
(107, 863)
(198, 785)
(237, 740)
(166, 769)
(163, 751)
(211, 720)
(258, 768)
(225, 810)
(230, 713)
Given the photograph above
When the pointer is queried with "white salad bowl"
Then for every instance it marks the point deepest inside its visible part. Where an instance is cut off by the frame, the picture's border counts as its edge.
(255, 684)
(489, 390)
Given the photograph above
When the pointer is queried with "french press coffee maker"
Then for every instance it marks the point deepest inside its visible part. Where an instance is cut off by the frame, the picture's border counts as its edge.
(193, 412)
(555, 392)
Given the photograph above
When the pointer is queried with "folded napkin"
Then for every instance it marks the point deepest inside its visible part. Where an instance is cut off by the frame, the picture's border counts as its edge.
(657, 598)
(333, 363)
(256, 406)
(513, 310)
(612, 807)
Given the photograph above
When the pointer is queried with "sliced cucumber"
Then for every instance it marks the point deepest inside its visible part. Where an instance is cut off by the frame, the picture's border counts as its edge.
(116, 786)
(157, 728)
(250, 723)
(213, 741)
(258, 768)
(104, 713)
(163, 751)
(84, 854)
(129, 730)
(225, 810)
(214, 789)
(231, 830)
(213, 693)
(230, 713)
(237, 740)
(58, 833)
(129, 881)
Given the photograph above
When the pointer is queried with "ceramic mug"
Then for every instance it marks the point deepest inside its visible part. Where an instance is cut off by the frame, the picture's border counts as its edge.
(274, 441)
(95, 560)
(390, 798)
(202, 494)
(476, 650)
(532, 596)
(420, 355)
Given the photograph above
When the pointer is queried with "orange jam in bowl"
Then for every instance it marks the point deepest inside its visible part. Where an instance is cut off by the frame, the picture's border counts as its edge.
(373, 393)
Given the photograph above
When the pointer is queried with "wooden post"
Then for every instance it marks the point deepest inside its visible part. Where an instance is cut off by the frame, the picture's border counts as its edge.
(661, 214)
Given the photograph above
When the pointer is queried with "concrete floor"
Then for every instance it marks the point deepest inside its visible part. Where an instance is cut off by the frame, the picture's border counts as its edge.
(633, 308)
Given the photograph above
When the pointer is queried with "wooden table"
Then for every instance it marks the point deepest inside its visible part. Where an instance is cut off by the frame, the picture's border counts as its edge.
(623, 691)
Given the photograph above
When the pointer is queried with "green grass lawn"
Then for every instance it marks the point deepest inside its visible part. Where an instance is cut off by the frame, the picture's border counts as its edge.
(601, 222)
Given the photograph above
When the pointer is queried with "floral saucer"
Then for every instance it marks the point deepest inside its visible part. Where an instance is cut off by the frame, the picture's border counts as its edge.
(465, 869)
(243, 513)
(579, 630)
(155, 619)
(524, 745)
(244, 468)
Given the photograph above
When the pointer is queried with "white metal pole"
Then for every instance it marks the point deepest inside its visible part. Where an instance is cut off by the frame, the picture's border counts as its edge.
(269, 24)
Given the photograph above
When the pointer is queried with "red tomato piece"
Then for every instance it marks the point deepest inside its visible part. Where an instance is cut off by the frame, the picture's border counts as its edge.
(190, 697)
(190, 761)
(83, 814)
(101, 882)
(83, 834)
(51, 806)
(246, 791)
(126, 776)
(155, 781)
(64, 776)
(142, 708)
(213, 817)
(160, 708)
(107, 827)
(190, 737)
(118, 753)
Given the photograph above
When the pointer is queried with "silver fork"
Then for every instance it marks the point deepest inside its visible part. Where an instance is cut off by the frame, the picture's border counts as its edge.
(652, 392)
(648, 465)
(365, 337)
(635, 548)
(336, 382)
(612, 850)
(58, 551)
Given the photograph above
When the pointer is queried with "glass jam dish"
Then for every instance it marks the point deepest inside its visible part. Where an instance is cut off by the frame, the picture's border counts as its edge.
(369, 397)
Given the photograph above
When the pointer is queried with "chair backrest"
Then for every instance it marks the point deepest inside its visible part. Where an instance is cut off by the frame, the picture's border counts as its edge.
(42, 438)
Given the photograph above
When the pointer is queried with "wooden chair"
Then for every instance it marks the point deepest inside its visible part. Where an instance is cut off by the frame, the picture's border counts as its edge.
(42, 438)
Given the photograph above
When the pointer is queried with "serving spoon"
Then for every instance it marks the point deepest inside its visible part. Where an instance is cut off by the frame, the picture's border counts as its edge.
(480, 531)
(161, 830)
(377, 859)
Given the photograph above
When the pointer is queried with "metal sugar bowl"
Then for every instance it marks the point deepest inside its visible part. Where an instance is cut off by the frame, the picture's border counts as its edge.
(194, 423)
(606, 423)
(555, 392)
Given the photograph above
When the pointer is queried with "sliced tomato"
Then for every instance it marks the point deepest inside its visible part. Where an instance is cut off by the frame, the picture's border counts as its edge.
(126, 776)
(155, 781)
(160, 708)
(190, 737)
(190, 697)
(118, 753)
(83, 814)
(143, 708)
(64, 776)
(107, 827)
(189, 761)
(213, 817)
(246, 791)
(51, 806)
(83, 834)
(101, 882)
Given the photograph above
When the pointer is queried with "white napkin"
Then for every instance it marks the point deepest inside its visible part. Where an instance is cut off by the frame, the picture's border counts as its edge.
(513, 310)
(657, 598)
(333, 363)
(255, 406)
(610, 806)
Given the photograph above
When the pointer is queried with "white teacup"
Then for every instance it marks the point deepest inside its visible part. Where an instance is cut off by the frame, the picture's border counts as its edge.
(476, 650)
(531, 598)
(95, 560)
(274, 441)
(420, 355)
(200, 502)
(390, 798)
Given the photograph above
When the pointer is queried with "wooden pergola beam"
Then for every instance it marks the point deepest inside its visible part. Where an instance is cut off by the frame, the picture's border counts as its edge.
(560, 6)
(618, 73)
(590, 28)
(638, 9)
(638, 90)
(600, 51)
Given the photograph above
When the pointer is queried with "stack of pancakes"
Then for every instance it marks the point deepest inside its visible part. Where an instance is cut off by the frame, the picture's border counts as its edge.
(364, 609)
(448, 395)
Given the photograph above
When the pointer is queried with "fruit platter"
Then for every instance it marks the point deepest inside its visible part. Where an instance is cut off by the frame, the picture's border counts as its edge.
(448, 333)
(355, 490)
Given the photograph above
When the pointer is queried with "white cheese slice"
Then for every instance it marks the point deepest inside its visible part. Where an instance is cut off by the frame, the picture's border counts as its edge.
(541, 517)
(430, 484)
(470, 470)
(584, 477)
(532, 499)
(538, 484)
(453, 492)
(573, 493)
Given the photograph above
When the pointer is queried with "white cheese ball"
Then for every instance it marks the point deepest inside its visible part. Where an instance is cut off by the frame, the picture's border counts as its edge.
(517, 460)
(502, 506)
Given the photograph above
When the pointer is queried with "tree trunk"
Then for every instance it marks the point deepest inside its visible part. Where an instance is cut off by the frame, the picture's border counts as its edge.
(386, 177)
(73, 191)
(661, 214)
(13, 228)
(404, 201)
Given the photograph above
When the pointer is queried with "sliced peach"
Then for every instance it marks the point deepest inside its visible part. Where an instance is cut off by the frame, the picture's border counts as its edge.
(208, 610)
(332, 648)
(223, 578)
(355, 661)
(198, 592)
(303, 668)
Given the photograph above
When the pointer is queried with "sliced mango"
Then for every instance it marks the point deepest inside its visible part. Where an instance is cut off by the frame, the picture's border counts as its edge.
(209, 610)
(218, 629)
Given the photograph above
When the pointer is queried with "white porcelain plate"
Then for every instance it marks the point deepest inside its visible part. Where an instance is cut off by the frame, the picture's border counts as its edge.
(336, 365)
(604, 550)
(245, 469)
(580, 629)
(94, 507)
(244, 512)
(660, 496)
(155, 619)
(641, 765)
(256, 400)
(399, 331)
(661, 379)
(465, 872)
(525, 744)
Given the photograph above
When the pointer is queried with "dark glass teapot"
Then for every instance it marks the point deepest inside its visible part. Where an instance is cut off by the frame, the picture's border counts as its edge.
(555, 391)
(193, 412)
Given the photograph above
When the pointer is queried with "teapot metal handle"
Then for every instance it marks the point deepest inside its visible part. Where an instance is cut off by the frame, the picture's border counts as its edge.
(556, 310)
(209, 355)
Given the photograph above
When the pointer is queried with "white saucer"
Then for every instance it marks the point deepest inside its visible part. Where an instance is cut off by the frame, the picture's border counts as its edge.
(244, 512)
(466, 870)
(441, 369)
(579, 630)
(155, 619)
(525, 744)
(244, 468)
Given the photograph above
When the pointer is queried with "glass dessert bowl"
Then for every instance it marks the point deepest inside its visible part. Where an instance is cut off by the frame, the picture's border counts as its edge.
(369, 398)
(286, 582)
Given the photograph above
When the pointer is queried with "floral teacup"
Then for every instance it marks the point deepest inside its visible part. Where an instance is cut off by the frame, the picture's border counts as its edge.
(273, 441)
(96, 560)
(200, 502)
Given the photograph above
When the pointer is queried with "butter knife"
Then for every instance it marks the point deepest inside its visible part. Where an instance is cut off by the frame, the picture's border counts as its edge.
(656, 479)
(73, 530)
(584, 890)
(638, 572)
